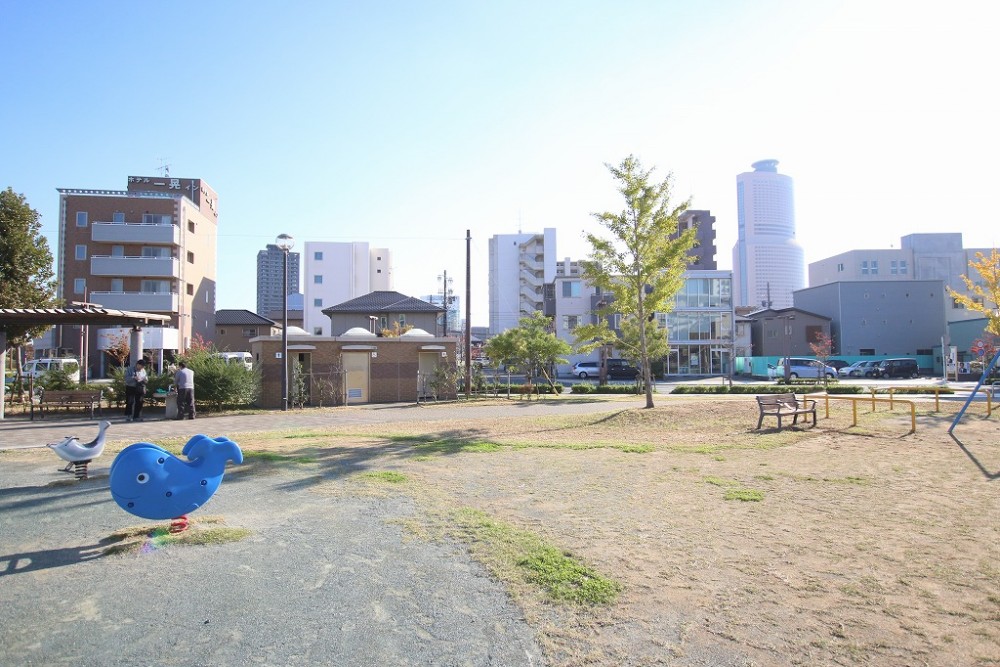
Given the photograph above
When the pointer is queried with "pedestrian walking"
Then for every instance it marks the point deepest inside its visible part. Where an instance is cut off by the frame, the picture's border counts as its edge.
(135, 390)
(184, 379)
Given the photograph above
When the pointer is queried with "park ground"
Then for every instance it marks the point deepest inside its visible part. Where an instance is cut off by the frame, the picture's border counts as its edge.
(835, 545)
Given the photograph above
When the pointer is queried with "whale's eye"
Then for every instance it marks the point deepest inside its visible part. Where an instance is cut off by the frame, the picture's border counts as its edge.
(142, 478)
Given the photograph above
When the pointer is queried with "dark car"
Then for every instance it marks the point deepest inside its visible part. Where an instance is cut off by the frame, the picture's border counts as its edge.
(897, 368)
(837, 363)
(619, 369)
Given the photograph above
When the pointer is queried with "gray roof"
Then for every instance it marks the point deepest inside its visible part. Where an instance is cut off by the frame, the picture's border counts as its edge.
(384, 302)
(240, 318)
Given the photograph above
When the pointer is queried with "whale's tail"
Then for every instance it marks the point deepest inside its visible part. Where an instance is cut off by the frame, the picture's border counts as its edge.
(202, 448)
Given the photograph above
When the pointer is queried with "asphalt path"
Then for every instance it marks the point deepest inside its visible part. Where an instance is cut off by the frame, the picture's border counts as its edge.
(323, 580)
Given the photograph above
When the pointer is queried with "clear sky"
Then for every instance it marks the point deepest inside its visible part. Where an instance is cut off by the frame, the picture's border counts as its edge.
(406, 123)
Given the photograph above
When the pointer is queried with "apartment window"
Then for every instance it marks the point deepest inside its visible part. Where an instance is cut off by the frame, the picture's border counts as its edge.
(571, 288)
(81, 251)
(155, 287)
(902, 267)
(864, 267)
(249, 332)
(117, 251)
(570, 322)
(318, 303)
(318, 255)
(157, 219)
(840, 268)
(867, 352)
(81, 218)
(383, 322)
(190, 289)
(318, 280)
(155, 251)
(874, 267)
(118, 217)
(191, 226)
(190, 258)
(893, 268)
(402, 320)
(80, 286)
(378, 270)
(117, 285)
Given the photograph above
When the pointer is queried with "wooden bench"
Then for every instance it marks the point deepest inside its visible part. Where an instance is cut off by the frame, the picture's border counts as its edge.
(785, 405)
(78, 398)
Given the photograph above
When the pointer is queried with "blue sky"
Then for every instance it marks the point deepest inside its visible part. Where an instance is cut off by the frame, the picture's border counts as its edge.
(406, 123)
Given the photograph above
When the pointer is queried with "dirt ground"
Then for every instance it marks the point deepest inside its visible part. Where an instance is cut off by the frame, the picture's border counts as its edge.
(834, 545)
(870, 545)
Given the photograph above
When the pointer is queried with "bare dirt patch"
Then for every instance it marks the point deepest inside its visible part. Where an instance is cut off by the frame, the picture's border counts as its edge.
(835, 545)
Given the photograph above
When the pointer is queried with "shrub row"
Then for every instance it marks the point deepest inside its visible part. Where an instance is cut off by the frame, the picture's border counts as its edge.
(801, 388)
(584, 388)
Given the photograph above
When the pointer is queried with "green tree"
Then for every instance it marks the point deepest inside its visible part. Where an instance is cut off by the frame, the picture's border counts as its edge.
(642, 263)
(26, 276)
(531, 347)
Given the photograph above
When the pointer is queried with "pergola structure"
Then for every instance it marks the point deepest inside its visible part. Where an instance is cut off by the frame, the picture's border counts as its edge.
(30, 317)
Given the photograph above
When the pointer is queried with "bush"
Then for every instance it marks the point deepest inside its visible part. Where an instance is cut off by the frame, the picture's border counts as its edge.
(766, 389)
(219, 383)
(582, 388)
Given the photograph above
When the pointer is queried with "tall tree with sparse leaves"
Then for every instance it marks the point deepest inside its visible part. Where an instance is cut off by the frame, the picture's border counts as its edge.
(642, 263)
(26, 275)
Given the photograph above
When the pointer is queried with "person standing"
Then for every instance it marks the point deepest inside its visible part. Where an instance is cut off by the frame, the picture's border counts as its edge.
(135, 390)
(184, 379)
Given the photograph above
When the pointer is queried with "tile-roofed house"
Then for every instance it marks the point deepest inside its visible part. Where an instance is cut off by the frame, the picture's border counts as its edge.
(380, 310)
(234, 329)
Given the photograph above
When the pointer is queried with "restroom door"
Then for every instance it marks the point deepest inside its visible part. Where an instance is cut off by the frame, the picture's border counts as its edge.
(426, 365)
(356, 366)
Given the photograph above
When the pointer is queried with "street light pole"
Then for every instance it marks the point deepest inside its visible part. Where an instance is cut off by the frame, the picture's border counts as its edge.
(284, 243)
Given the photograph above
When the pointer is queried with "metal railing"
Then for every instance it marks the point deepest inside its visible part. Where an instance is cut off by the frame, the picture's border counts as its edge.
(858, 399)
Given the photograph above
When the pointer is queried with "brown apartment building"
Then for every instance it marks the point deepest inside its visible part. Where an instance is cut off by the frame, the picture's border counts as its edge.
(148, 248)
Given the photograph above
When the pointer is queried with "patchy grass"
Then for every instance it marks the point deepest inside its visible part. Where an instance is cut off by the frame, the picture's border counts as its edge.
(201, 532)
(387, 476)
(274, 457)
(718, 481)
(515, 554)
(744, 495)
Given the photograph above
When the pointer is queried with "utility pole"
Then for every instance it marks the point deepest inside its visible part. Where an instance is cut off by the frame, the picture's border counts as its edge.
(468, 313)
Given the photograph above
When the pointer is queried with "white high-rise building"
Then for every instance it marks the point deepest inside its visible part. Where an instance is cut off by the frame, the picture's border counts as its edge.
(520, 267)
(338, 272)
(768, 263)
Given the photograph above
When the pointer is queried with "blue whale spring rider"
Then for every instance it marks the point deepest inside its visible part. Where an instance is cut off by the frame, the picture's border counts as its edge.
(150, 482)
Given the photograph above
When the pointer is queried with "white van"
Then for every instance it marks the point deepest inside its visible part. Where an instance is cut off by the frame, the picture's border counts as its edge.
(244, 358)
(39, 367)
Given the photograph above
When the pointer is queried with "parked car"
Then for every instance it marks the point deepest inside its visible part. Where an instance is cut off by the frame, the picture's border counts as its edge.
(806, 368)
(618, 369)
(859, 369)
(240, 358)
(38, 367)
(897, 368)
(587, 369)
(838, 363)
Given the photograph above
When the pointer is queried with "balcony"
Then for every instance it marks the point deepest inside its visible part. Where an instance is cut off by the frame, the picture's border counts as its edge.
(134, 267)
(143, 302)
(134, 232)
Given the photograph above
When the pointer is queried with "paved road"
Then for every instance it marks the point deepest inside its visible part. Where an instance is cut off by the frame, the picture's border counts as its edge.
(325, 579)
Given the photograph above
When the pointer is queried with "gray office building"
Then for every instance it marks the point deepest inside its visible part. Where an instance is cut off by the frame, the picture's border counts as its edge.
(886, 317)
